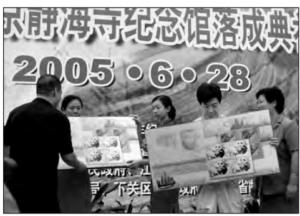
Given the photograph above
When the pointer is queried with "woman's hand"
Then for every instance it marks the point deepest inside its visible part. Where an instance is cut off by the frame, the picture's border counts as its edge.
(136, 118)
(274, 142)
(135, 164)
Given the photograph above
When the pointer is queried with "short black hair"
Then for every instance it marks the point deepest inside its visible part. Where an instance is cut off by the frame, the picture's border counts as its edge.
(208, 91)
(46, 84)
(68, 99)
(273, 94)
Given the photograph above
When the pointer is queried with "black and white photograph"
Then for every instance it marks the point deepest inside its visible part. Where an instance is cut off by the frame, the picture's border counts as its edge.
(150, 108)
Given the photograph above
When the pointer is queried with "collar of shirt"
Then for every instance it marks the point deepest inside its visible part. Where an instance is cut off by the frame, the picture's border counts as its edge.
(43, 101)
(277, 121)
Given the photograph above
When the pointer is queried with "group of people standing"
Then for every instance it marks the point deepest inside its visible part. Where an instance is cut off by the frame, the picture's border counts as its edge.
(37, 133)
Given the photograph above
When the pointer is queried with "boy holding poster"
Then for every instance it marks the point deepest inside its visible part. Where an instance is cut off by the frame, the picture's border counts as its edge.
(223, 197)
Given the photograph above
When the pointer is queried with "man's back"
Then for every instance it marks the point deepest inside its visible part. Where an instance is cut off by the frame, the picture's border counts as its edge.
(36, 132)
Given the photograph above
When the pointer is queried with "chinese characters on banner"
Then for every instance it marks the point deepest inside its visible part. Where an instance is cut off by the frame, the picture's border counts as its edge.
(142, 188)
(226, 28)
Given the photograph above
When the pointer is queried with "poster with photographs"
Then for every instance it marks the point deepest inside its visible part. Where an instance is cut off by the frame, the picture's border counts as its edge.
(103, 150)
(211, 151)
(229, 159)
(104, 141)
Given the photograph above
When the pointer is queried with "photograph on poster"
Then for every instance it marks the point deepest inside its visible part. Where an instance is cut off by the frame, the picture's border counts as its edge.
(188, 139)
(217, 168)
(245, 164)
(253, 120)
(227, 137)
(235, 148)
(235, 160)
(224, 126)
(96, 143)
(104, 149)
(253, 135)
(98, 155)
(103, 142)
(239, 165)
(216, 151)
(216, 128)
(166, 141)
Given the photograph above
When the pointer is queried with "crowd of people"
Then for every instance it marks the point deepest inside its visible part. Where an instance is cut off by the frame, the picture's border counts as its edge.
(36, 133)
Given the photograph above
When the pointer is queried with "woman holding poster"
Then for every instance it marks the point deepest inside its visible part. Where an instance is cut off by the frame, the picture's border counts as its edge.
(73, 199)
(162, 201)
(279, 192)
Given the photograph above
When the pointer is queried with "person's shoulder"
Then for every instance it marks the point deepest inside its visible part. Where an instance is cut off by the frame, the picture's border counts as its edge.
(59, 115)
(177, 121)
(19, 109)
(286, 121)
(288, 124)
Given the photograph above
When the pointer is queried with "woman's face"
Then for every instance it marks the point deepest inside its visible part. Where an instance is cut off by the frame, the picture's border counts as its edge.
(73, 109)
(159, 110)
(262, 104)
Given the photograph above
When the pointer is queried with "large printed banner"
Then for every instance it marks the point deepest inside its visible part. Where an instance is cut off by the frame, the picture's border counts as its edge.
(118, 59)
(212, 151)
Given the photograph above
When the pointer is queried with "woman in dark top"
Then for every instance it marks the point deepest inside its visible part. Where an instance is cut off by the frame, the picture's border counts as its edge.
(162, 201)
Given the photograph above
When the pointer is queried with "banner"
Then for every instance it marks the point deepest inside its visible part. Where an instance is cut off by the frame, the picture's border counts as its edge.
(118, 59)
(212, 151)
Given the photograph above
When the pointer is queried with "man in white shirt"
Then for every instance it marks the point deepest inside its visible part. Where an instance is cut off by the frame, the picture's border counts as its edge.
(223, 197)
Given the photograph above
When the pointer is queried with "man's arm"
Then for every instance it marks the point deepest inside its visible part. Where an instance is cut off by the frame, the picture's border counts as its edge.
(6, 150)
(66, 148)
(292, 139)
(138, 163)
(9, 164)
(294, 176)
(7, 136)
(6, 143)
(71, 160)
